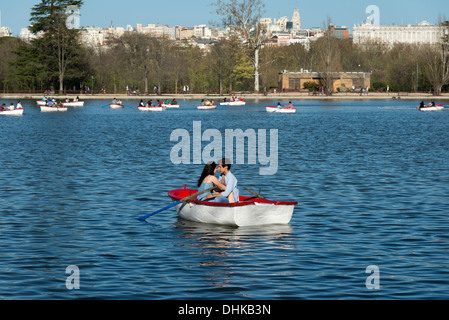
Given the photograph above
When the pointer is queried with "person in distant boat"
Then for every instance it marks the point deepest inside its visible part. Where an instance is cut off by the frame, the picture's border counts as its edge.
(174, 102)
(225, 99)
(19, 105)
(141, 104)
(114, 101)
(290, 105)
(208, 180)
(231, 193)
(3, 107)
(279, 105)
(421, 105)
(432, 103)
(202, 102)
(11, 107)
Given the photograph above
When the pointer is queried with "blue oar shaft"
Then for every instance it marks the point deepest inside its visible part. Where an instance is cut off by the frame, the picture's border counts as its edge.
(160, 210)
(176, 203)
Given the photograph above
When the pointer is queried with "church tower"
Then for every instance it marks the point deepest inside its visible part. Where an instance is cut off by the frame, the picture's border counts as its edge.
(296, 18)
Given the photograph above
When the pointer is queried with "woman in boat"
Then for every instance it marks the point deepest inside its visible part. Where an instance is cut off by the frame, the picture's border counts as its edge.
(421, 105)
(208, 180)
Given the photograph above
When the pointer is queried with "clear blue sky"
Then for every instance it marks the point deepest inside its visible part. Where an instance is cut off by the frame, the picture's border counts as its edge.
(16, 14)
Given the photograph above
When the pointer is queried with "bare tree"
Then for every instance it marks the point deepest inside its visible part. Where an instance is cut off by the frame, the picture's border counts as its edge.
(328, 58)
(436, 59)
(242, 17)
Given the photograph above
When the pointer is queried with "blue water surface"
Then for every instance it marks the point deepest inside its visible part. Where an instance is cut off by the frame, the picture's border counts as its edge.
(371, 178)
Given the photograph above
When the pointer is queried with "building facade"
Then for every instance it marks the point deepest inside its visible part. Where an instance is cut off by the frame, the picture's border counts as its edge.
(421, 33)
(341, 81)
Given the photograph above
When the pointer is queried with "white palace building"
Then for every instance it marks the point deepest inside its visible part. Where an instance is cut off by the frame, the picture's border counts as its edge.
(421, 33)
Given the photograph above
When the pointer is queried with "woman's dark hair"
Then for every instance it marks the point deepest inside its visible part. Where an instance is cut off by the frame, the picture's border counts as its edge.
(207, 171)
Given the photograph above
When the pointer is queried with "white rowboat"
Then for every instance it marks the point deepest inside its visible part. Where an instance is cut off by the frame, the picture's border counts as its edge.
(53, 109)
(233, 103)
(14, 112)
(271, 109)
(116, 106)
(207, 107)
(73, 104)
(66, 104)
(438, 107)
(158, 109)
(249, 211)
(170, 106)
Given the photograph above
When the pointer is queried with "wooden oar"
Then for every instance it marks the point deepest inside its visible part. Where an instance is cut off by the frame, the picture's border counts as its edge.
(175, 203)
(255, 194)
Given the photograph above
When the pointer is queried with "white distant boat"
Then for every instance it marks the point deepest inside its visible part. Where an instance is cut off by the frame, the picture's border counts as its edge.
(73, 104)
(438, 107)
(153, 109)
(233, 103)
(271, 109)
(14, 112)
(116, 106)
(213, 106)
(249, 211)
(53, 109)
(66, 104)
(170, 106)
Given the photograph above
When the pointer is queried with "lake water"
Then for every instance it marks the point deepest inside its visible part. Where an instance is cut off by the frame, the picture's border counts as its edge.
(371, 178)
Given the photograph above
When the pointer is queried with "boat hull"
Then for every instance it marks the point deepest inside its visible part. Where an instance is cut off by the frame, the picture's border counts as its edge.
(152, 109)
(53, 109)
(74, 104)
(233, 103)
(207, 107)
(435, 108)
(15, 112)
(279, 110)
(116, 106)
(170, 106)
(247, 212)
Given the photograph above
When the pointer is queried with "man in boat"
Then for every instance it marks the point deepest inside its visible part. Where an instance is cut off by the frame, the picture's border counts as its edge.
(231, 194)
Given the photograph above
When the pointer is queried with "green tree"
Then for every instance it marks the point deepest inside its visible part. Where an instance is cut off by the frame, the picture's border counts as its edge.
(50, 18)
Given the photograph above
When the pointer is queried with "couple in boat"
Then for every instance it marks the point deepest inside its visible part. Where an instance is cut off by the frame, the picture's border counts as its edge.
(226, 190)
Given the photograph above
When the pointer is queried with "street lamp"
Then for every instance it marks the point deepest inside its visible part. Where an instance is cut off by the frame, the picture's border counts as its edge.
(92, 85)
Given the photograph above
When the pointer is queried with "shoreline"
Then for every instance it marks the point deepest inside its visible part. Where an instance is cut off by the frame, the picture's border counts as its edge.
(250, 96)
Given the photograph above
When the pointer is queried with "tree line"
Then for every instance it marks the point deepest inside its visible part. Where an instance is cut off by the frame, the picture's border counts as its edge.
(59, 61)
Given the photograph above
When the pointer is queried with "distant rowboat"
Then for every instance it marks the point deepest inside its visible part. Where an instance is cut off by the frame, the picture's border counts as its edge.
(14, 112)
(53, 109)
(170, 106)
(116, 106)
(214, 106)
(438, 107)
(66, 104)
(233, 103)
(73, 104)
(271, 109)
(153, 109)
